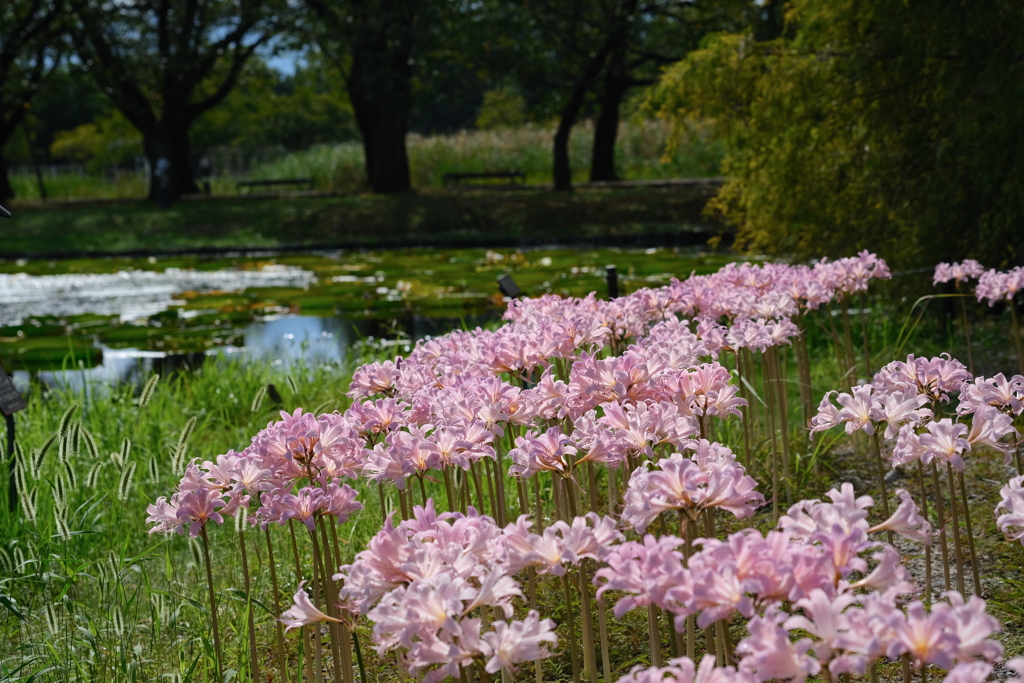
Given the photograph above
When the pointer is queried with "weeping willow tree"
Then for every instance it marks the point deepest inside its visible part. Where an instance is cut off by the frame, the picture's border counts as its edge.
(880, 124)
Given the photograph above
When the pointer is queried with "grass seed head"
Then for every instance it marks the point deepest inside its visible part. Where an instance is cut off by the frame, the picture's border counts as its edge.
(65, 421)
(147, 391)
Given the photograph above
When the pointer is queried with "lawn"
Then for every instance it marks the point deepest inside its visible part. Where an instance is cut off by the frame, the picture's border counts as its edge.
(634, 216)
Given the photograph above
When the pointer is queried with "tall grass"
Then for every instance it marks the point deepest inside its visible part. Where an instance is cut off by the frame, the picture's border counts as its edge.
(641, 154)
(85, 593)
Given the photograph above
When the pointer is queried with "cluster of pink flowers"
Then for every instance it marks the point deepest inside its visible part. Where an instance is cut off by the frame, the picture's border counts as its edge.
(293, 468)
(995, 285)
(814, 562)
(426, 583)
(711, 478)
(899, 398)
(578, 383)
(962, 271)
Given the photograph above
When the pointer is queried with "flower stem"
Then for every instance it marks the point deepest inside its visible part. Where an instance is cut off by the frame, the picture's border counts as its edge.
(254, 660)
(655, 635)
(940, 511)
(213, 605)
(282, 668)
(602, 618)
(975, 569)
(881, 481)
(571, 626)
(957, 544)
(306, 647)
(927, 548)
(967, 332)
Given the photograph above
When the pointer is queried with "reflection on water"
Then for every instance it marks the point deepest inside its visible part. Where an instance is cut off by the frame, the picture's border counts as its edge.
(279, 341)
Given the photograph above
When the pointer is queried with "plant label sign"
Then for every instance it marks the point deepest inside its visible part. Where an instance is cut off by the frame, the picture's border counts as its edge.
(10, 400)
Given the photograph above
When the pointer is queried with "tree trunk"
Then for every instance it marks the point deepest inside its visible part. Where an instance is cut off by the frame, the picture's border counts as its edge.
(380, 89)
(170, 140)
(616, 84)
(6, 191)
(562, 170)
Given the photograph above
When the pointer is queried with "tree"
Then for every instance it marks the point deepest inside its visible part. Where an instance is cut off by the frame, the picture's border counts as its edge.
(571, 56)
(28, 29)
(268, 108)
(888, 126)
(372, 42)
(647, 37)
(164, 63)
(556, 49)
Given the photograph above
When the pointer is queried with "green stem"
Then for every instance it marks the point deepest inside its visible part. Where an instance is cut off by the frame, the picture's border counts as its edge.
(254, 660)
(927, 548)
(957, 544)
(282, 668)
(940, 511)
(975, 569)
(213, 605)
(881, 480)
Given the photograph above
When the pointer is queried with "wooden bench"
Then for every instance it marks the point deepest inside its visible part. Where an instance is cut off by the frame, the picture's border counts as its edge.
(513, 177)
(297, 183)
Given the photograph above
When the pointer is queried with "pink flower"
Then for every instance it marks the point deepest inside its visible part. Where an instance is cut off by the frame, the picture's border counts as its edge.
(928, 638)
(196, 508)
(680, 484)
(544, 453)
(968, 672)
(945, 441)
(768, 652)
(646, 572)
(973, 628)
(1011, 522)
(889, 575)
(860, 409)
(519, 641)
(906, 521)
(1017, 666)
(303, 612)
(163, 514)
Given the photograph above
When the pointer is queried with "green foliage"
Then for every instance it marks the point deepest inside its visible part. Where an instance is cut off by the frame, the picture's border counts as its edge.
(872, 125)
(502, 107)
(268, 109)
(108, 141)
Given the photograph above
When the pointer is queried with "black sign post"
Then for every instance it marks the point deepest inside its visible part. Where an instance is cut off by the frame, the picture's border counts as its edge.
(4, 213)
(508, 286)
(612, 276)
(10, 403)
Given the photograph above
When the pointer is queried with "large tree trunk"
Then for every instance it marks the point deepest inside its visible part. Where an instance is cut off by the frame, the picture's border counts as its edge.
(562, 170)
(6, 191)
(380, 88)
(170, 140)
(616, 84)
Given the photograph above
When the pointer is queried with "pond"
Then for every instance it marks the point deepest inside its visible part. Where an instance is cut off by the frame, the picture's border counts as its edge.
(105, 319)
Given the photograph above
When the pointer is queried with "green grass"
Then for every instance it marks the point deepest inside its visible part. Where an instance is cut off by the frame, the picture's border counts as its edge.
(442, 219)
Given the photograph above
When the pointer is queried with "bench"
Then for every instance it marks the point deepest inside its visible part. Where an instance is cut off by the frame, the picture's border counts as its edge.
(297, 183)
(513, 177)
